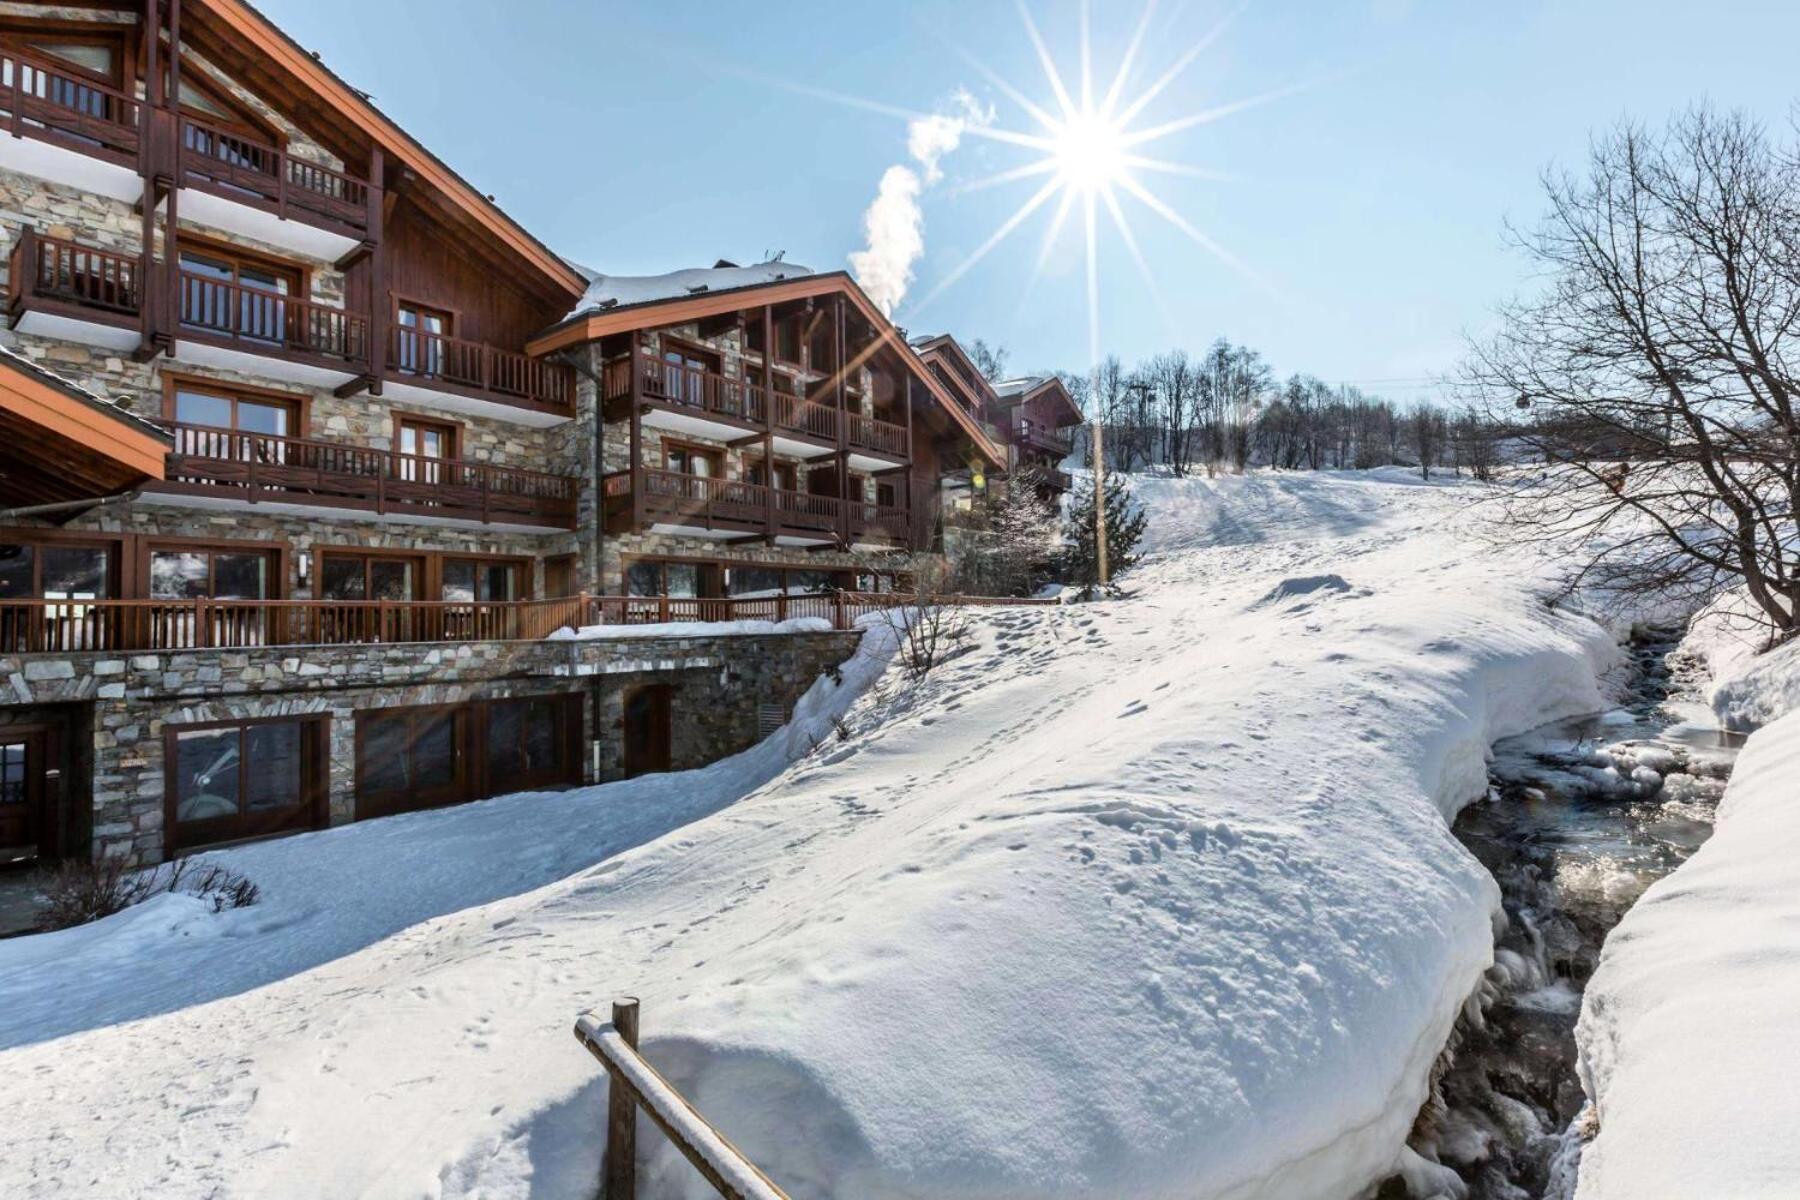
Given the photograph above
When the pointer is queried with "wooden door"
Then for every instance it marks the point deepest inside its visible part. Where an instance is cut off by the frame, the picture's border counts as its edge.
(412, 758)
(424, 445)
(647, 729)
(559, 577)
(26, 830)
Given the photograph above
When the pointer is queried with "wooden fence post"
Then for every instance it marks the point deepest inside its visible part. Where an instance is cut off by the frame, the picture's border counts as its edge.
(620, 1179)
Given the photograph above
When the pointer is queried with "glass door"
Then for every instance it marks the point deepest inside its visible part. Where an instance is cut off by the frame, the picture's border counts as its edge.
(424, 446)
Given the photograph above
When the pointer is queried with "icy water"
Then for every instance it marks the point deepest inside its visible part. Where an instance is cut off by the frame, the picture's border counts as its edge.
(1581, 817)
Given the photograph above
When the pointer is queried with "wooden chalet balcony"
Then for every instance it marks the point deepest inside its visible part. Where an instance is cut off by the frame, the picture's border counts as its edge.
(69, 128)
(257, 190)
(259, 468)
(74, 626)
(1028, 432)
(883, 523)
(690, 400)
(58, 288)
(424, 362)
(256, 321)
(721, 509)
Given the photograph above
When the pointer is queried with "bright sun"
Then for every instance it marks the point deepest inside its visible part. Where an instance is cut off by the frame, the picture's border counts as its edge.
(1089, 151)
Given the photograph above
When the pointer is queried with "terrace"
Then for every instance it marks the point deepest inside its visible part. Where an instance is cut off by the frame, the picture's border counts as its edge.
(232, 467)
(720, 509)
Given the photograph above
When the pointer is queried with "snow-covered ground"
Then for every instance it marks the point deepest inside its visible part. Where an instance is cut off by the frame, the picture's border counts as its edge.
(1690, 1031)
(1154, 897)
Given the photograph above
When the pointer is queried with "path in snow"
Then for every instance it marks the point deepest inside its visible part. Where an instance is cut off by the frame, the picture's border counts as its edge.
(1154, 897)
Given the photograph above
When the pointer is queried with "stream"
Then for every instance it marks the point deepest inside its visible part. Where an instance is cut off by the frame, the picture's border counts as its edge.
(1581, 817)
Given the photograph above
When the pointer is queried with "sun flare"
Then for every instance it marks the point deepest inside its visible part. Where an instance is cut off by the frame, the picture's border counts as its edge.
(1089, 152)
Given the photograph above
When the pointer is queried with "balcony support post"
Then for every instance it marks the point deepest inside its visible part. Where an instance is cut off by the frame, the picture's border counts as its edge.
(843, 420)
(637, 435)
(379, 307)
(768, 441)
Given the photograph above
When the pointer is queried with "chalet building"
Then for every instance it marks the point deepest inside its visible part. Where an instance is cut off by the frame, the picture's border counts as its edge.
(1031, 418)
(308, 445)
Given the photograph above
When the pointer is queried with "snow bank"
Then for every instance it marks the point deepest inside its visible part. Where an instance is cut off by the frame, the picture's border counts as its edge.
(1690, 1033)
(1751, 685)
(1151, 897)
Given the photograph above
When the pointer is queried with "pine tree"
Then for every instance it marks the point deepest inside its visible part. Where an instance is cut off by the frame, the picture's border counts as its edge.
(1125, 520)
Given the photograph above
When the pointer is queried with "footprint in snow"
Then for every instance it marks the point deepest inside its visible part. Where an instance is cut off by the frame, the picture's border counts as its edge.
(1134, 708)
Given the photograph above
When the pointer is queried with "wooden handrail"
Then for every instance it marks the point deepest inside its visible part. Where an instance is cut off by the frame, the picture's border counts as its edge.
(633, 1084)
(41, 97)
(264, 318)
(481, 365)
(251, 170)
(68, 626)
(841, 608)
(665, 382)
(59, 269)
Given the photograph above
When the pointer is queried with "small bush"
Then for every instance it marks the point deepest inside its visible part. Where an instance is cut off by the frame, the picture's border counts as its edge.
(76, 893)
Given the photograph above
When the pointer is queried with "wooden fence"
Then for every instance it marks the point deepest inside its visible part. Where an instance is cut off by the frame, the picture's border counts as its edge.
(633, 1084)
(842, 609)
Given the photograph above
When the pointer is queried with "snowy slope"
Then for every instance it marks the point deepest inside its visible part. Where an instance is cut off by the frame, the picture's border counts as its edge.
(1154, 897)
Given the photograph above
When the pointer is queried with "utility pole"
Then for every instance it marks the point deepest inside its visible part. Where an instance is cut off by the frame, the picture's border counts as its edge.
(1100, 499)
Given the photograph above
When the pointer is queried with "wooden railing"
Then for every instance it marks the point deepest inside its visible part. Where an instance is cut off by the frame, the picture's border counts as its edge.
(886, 519)
(248, 171)
(813, 417)
(634, 1084)
(479, 366)
(301, 470)
(49, 268)
(44, 101)
(883, 437)
(66, 626)
(1039, 434)
(704, 500)
(262, 320)
(841, 608)
(650, 378)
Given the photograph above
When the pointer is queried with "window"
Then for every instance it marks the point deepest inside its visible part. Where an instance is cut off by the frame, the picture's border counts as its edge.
(685, 373)
(750, 583)
(208, 574)
(467, 580)
(13, 776)
(366, 577)
(410, 758)
(758, 472)
(238, 296)
(787, 339)
(54, 571)
(244, 779)
(424, 444)
(692, 460)
(419, 337)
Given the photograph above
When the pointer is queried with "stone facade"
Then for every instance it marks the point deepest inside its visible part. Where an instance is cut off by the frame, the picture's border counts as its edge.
(719, 685)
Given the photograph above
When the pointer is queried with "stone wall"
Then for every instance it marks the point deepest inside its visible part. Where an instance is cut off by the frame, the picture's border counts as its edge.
(718, 682)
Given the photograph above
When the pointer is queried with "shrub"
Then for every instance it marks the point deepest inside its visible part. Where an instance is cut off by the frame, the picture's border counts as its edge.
(76, 893)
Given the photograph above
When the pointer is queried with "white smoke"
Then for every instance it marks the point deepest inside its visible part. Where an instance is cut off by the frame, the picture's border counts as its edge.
(893, 224)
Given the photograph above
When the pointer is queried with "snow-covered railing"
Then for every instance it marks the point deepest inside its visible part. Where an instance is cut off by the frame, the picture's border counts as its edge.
(636, 1084)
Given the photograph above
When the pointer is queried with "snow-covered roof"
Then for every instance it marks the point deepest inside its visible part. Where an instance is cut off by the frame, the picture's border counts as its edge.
(616, 291)
(12, 358)
(1008, 388)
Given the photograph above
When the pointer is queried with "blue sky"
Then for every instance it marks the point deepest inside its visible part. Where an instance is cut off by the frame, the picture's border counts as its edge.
(642, 137)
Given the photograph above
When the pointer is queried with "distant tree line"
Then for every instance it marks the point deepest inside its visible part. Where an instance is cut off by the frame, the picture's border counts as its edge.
(1226, 411)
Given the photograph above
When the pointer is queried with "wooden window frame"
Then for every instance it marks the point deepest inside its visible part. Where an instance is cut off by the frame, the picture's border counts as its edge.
(569, 734)
(299, 403)
(114, 545)
(429, 566)
(18, 33)
(715, 453)
(276, 552)
(368, 555)
(300, 273)
(455, 430)
(315, 783)
(457, 791)
(521, 573)
(756, 462)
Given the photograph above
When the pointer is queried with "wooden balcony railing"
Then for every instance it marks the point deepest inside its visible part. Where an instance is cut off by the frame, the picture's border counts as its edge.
(646, 377)
(480, 367)
(46, 102)
(251, 172)
(260, 320)
(697, 500)
(843, 609)
(650, 378)
(69, 626)
(885, 520)
(66, 273)
(1037, 433)
(264, 467)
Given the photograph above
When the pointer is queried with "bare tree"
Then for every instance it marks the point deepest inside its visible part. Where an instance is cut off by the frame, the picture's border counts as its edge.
(1175, 391)
(1426, 422)
(989, 360)
(1658, 365)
